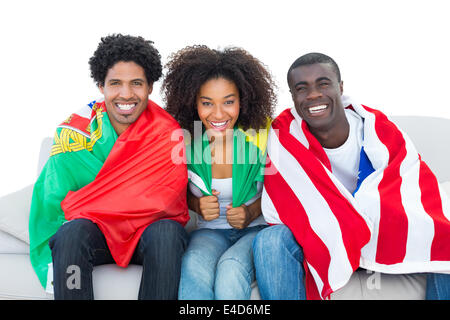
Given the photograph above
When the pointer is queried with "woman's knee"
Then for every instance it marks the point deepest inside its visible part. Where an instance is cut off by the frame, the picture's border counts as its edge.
(233, 280)
(231, 268)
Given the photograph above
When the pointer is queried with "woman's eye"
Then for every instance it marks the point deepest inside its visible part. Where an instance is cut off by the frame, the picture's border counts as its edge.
(229, 102)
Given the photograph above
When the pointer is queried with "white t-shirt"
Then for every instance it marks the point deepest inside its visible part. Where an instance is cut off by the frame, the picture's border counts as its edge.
(225, 187)
(345, 158)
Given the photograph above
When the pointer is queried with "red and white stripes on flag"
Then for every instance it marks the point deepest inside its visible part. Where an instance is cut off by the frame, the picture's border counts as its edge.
(396, 222)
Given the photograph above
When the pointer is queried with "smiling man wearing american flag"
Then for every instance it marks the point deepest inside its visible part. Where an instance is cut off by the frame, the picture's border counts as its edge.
(346, 189)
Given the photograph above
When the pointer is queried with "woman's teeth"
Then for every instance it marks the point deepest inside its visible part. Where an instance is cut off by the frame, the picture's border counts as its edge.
(126, 107)
(218, 124)
(317, 109)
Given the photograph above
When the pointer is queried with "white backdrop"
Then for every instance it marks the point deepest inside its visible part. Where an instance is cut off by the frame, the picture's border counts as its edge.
(393, 55)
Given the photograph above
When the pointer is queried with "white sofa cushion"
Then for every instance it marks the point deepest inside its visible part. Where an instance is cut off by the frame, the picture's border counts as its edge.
(431, 137)
(18, 280)
(369, 285)
(15, 210)
(125, 285)
(10, 244)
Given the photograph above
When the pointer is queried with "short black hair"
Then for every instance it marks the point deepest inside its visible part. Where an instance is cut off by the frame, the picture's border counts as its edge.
(313, 58)
(117, 47)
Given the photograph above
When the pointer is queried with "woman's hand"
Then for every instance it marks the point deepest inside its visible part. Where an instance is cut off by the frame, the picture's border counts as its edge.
(239, 217)
(208, 206)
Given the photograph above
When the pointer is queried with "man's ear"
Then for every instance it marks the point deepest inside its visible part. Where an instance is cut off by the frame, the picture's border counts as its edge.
(341, 86)
(150, 88)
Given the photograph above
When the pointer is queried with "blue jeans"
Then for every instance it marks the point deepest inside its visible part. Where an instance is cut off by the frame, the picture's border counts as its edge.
(280, 274)
(80, 243)
(218, 264)
(438, 286)
(279, 264)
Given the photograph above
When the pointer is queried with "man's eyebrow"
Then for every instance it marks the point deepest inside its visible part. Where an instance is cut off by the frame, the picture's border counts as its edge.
(317, 80)
(323, 78)
(137, 79)
(300, 83)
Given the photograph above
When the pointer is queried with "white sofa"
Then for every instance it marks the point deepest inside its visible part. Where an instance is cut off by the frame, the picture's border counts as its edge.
(18, 280)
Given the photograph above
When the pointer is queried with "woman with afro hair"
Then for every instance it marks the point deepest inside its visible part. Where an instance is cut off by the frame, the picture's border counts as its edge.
(224, 100)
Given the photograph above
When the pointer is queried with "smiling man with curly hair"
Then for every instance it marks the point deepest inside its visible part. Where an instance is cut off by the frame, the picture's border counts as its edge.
(110, 192)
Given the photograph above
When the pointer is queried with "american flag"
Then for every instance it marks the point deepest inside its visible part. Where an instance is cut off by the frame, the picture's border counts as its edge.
(397, 221)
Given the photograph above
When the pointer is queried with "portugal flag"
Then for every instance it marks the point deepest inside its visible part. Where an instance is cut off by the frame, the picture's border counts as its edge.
(122, 184)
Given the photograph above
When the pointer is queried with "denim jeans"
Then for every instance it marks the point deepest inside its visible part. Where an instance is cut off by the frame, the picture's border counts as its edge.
(218, 264)
(80, 243)
(279, 264)
(438, 286)
(280, 273)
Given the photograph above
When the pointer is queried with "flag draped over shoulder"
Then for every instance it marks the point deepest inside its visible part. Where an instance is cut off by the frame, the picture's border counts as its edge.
(249, 156)
(122, 184)
(397, 221)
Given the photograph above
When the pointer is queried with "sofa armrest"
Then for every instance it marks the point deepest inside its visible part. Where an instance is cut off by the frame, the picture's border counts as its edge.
(14, 213)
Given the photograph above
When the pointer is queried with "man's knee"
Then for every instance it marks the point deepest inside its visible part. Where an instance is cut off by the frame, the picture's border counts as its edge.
(271, 237)
(73, 233)
(167, 232)
(276, 241)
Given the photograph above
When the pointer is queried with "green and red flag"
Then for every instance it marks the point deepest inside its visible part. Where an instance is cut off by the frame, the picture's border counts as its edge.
(122, 184)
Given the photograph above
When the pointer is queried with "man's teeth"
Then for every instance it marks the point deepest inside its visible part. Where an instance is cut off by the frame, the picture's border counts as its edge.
(218, 124)
(126, 107)
(317, 109)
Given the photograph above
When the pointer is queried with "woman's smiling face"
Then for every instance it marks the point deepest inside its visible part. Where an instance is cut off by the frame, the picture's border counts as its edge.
(218, 105)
